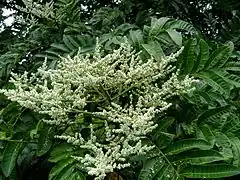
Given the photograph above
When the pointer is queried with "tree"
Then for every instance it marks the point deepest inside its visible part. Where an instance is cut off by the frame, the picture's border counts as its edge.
(68, 106)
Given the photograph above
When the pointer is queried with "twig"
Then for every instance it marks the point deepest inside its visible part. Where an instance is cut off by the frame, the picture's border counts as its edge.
(18, 141)
(89, 113)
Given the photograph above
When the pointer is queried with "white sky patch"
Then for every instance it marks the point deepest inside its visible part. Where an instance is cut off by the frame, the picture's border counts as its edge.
(84, 7)
(117, 1)
(10, 19)
(7, 12)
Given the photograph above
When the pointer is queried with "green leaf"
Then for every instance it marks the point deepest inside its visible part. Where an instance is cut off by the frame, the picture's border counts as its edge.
(224, 145)
(11, 113)
(118, 40)
(212, 114)
(77, 175)
(235, 150)
(73, 42)
(82, 42)
(163, 139)
(216, 82)
(203, 55)
(87, 49)
(232, 123)
(199, 157)
(154, 49)
(164, 124)
(206, 134)
(59, 167)
(68, 43)
(136, 37)
(10, 155)
(160, 136)
(157, 26)
(188, 56)
(165, 40)
(185, 145)
(167, 172)
(52, 53)
(228, 77)
(102, 39)
(175, 36)
(45, 140)
(60, 47)
(163, 174)
(220, 56)
(232, 66)
(209, 171)
(124, 28)
(180, 25)
(49, 57)
(63, 151)
(66, 172)
(151, 168)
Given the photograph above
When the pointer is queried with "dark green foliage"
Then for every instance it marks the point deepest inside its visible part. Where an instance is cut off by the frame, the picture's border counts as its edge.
(10, 155)
(213, 67)
(65, 166)
(210, 171)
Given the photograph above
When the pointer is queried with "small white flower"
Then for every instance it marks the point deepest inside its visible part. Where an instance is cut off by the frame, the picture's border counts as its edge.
(105, 79)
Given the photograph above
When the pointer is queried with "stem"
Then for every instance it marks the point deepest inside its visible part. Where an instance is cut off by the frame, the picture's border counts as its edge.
(18, 141)
(22, 110)
(96, 102)
(106, 93)
(119, 92)
(123, 92)
(99, 92)
(89, 113)
(165, 157)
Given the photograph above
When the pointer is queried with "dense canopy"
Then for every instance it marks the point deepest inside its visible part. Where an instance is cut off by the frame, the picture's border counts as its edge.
(119, 89)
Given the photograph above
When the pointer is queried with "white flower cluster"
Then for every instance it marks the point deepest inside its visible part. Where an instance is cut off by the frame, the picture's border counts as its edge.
(128, 93)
